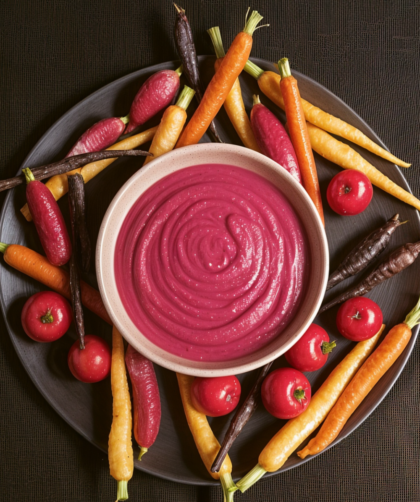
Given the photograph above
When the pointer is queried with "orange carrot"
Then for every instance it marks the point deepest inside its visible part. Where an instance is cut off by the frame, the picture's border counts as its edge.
(299, 134)
(39, 268)
(170, 127)
(363, 382)
(234, 104)
(269, 82)
(221, 84)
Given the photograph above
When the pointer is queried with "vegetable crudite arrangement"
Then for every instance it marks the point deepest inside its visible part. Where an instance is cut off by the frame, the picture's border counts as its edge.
(324, 378)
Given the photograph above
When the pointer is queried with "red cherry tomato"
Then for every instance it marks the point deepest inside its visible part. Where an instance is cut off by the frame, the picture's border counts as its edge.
(91, 364)
(286, 393)
(311, 352)
(349, 192)
(46, 316)
(215, 397)
(359, 319)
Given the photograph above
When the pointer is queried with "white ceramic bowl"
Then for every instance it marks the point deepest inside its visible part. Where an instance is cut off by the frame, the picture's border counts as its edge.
(203, 154)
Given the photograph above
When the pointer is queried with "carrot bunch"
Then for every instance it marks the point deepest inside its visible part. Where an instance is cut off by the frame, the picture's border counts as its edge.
(221, 83)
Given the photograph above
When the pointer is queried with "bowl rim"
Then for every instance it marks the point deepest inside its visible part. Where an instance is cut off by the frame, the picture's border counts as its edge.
(106, 282)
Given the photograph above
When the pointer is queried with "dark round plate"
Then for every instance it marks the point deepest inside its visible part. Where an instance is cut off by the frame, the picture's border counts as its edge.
(87, 408)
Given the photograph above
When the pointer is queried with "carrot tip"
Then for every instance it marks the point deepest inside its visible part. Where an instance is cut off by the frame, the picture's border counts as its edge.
(3, 247)
(284, 68)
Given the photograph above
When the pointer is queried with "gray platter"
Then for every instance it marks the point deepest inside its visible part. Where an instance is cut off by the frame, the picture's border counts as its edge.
(87, 408)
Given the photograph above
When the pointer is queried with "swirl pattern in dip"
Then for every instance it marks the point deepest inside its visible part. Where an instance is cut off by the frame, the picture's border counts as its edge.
(210, 262)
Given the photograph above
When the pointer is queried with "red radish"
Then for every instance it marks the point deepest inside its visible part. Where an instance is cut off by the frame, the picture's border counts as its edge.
(46, 316)
(91, 364)
(154, 95)
(310, 353)
(349, 193)
(273, 139)
(286, 393)
(146, 399)
(359, 318)
(49, 221)
(100, 136)
(215, 397)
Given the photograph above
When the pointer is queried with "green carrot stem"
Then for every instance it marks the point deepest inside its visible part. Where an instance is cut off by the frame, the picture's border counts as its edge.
(284, 68)
(253, 70)
(228, 487)
(216, 39)
(122, 492)
(251, 478)
(126, 119)
(28, 175)
(178, 71)
(256, 99)
(327, 347)
(185, 97)
(413, 317)
(3, 247)
(143, 451)
(252, 22)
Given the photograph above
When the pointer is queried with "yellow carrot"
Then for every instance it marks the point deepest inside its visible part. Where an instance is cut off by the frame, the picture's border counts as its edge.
(205, 440)
(289, 437)
(120, 449)
(268, 82)
(234, 104)
(171, 125)
(343, 155)
(58, 185)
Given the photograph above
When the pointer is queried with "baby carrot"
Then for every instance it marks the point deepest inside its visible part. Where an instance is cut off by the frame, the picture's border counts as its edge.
(291, 435)
(205, 440)
(120, 449)
(170, 127)
(268, 82)
(234, 104)
(39, 268)
(221, 83)
(363, 382)
(299, 134)
(59, 186)
(341, 154)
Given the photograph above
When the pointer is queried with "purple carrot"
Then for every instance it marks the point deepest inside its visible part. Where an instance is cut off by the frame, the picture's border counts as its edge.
(146, 399)
(49, 221)
(154, 95)
(100, 136)
(273, 139)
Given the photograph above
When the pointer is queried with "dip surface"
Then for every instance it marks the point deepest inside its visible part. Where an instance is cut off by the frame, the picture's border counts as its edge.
(210, 262)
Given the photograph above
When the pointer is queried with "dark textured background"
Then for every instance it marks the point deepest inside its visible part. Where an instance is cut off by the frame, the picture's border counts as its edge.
(53, 54)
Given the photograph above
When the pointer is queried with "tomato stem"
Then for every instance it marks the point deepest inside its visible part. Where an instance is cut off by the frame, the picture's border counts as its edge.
(143, 451)
(284, 68)
(251, 478)
(228, 487)
(122, 492)
(47, 318)
(327, 347)
(299, 394)
(28, 175)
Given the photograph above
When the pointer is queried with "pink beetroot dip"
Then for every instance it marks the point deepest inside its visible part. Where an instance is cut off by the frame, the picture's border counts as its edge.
(210, 262)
